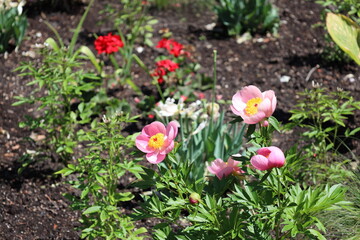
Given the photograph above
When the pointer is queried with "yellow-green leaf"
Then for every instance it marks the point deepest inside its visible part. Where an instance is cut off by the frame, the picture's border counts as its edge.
(345, 34)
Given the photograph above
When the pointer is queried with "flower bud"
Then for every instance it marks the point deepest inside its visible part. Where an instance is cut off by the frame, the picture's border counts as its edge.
(265, 123)
(194, 198)
(213, 109)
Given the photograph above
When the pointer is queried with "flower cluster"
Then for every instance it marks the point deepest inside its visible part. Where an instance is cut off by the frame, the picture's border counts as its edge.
(162, 68)
(108, 44)
(173, 47)
(250, 103)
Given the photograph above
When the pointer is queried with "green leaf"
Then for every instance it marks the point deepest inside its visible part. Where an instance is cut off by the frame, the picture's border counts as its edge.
(103, 216)
(345, 34)
(275, 123)
(92, 209)
(65, 171)
(317, 234)
(123, 197)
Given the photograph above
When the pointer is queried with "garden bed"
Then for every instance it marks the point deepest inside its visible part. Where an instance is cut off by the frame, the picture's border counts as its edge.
(32, 205)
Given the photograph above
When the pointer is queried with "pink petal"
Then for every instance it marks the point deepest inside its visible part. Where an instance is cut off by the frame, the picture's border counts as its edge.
(172, 130)
(216, 166)
(232, 163)
(169, 148)
(265, 107)
(258, 117)
(154, 128)
(142, 142)
(224, 172)
(265, 151)
(276, 157)
(250, 92)
(237, 102)
(270, 94)
(260, 162)
(235, 111)
(155, 157)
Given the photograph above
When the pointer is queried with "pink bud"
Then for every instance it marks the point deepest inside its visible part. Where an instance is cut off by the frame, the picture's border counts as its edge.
(194, 198)
(265, 124)
(136, 99)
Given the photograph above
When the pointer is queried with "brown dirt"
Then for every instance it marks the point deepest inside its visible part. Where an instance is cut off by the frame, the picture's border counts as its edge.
(32, 205)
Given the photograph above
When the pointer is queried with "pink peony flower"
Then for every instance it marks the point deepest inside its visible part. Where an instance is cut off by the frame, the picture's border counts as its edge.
(268, 158)
(156, 141)
(223, 169)
(253, 105)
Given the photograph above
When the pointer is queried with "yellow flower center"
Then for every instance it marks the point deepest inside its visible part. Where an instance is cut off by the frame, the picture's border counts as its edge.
(157, 141)
(252, 106)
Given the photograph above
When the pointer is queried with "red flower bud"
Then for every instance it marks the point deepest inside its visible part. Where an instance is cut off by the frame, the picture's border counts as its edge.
(194, 198)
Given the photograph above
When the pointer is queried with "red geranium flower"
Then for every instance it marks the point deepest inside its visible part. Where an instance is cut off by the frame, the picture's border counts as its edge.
(162, 68)
(108, 44)
(168, 65)
(171, 46)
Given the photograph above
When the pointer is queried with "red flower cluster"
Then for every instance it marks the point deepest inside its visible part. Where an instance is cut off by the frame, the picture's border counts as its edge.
(171, 46)
(108, 44)
(162, 68)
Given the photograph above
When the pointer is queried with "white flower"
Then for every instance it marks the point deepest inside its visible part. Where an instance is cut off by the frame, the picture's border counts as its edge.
(168, 109)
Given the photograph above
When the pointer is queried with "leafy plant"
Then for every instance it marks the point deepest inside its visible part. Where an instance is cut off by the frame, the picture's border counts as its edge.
(253, 16)
(322, 115)
(98, 175)
(60, 83)
(349, 8)
(345, 33)
(250, 205)
(13, 24)
(134, 26)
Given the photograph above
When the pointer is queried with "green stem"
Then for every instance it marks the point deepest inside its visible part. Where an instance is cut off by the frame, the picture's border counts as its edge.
(213, 90)
(174, 178)
(113, 61)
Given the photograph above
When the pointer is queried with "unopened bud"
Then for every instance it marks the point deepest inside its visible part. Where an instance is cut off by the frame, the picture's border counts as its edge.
(265, 124)
(213, 109)
(194, 198)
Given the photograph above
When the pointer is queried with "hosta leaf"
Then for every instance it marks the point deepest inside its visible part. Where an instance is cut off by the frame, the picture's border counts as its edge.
(345, 33)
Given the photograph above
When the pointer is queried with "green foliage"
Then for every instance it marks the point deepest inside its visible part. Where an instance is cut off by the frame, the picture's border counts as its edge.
(350, 8)
(134, 27)
(345, 33)
(322, 114)
(204, 141)
(132, 21)
(344, 223)
(253, 16)
(98, 174)
(13, 24)
(60, 83)
(270, 208)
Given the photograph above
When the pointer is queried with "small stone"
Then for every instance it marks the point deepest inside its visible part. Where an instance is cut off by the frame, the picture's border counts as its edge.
(350, 77)
(285, 79)
(210, 26)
